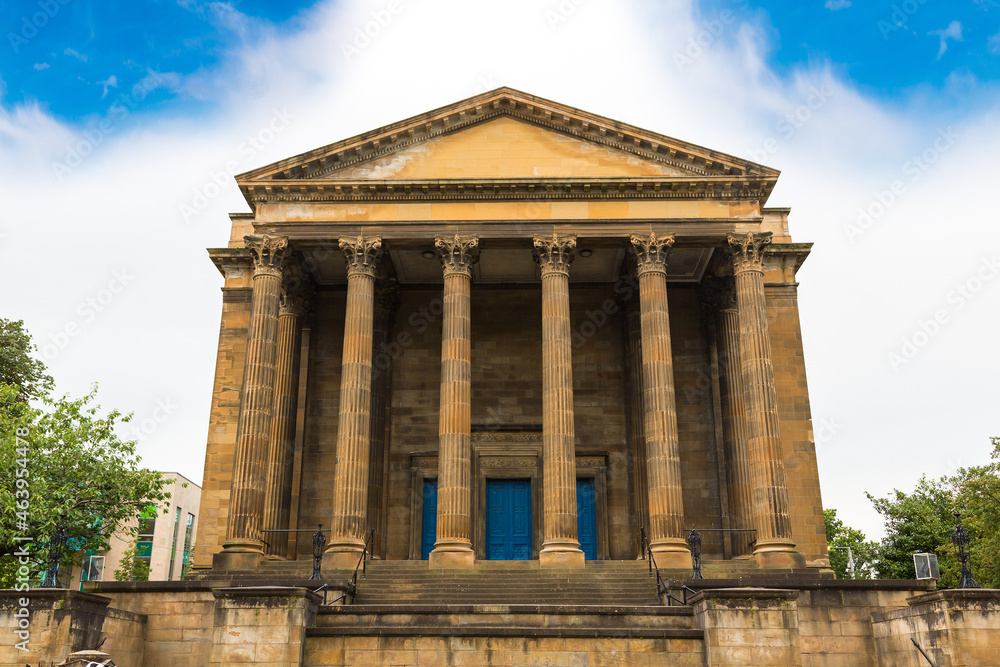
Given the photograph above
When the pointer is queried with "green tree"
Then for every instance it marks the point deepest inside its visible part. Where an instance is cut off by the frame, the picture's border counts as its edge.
(977, 499)
(18, 368)
(917, 522)
(131, 567)
(61, 462)
(839, 537)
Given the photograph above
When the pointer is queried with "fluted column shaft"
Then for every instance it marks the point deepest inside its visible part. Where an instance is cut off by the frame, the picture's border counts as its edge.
(386, 302)
(278, 487)
(453, 547)
(256, 398)
(666, 505)
(635, 427)
(350, 480)
(734, 418)
(560, 546)
(770, 496)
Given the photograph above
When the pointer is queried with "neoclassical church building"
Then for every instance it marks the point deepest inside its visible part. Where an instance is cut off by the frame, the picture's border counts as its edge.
(511, 330)
(509, 383)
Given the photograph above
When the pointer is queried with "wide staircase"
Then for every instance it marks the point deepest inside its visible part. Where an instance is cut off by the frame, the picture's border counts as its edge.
(624, 583)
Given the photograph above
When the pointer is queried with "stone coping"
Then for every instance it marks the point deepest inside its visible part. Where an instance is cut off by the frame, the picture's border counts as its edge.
(506, 631)
(956, 595)
(550, 609)
(54, 594)
(209, 585)
(806, 584)
(745, 593)
(267, 592)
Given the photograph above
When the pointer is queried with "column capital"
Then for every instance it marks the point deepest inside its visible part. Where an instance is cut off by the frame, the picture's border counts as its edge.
(554, 253)
(268, 253)
(651, 252)
(362, 254)
(748, 250)
(457, 253)
(717, 294)
(295, 300)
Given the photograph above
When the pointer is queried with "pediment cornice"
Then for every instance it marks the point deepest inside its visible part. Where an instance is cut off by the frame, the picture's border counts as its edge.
(314, 173)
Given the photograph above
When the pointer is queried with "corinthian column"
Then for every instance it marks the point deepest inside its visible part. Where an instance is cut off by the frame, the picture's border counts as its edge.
(560, 547)
(663, 464)
(278, 486)
(735, 432)
(243, 544)
(350, 479)
(767, 469)
(453, 547)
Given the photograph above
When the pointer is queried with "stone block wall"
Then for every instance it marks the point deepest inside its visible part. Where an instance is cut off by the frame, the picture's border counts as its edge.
(956, 628)
(264, 626)
(500, 652)
(749, 626)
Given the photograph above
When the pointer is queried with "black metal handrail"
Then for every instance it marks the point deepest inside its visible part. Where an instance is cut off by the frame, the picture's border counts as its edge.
(662, 588)
(362, 565)
(319, 541)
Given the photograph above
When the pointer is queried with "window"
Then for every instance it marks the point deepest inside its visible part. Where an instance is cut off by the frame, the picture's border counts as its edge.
(173, 544)
(188, 534)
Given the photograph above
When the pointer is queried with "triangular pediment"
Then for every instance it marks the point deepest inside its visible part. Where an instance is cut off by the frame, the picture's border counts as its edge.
(503, 139)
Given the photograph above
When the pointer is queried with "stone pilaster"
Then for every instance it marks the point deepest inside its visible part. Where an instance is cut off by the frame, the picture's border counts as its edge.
(453, 547)
(350, 480)
(278, 486)
(735, 432)
(666, 507)
(243, 544)
(560, 546)
(386, 303)
(775, 547)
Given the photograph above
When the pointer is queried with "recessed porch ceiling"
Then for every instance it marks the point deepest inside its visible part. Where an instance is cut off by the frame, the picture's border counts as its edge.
(499, 265)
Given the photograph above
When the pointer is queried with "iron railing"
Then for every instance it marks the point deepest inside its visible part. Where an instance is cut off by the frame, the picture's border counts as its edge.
(319, 541)
(352, 587)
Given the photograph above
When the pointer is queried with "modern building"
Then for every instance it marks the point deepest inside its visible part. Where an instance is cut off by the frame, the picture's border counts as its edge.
(505, 356)
(164, 539)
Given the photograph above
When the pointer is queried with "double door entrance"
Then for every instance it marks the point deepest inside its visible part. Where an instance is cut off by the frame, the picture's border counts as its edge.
(508, 518)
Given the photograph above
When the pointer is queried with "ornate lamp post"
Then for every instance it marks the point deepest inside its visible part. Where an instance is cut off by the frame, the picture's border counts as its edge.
(961, 539)
(56, 545)
(694, 543)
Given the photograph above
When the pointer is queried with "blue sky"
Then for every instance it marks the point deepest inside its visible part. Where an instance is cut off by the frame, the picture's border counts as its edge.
(122, 123)
(78, 58)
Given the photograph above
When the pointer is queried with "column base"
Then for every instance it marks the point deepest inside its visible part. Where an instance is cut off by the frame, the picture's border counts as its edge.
(562, 554)
(672, 554)
(232, 560)
(778, 555)
(452, 556)
(342, 556)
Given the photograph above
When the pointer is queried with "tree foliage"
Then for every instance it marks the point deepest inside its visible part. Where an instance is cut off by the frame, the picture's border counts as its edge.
(840, 537)
(923, 521)
(131, 567)
(61, 462)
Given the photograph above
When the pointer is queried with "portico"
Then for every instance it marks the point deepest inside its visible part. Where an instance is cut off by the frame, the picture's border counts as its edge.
(506, 308)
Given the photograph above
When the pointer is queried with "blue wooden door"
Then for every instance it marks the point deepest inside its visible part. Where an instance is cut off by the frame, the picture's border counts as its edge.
(429, 530)
(508, 519)
(586, 517)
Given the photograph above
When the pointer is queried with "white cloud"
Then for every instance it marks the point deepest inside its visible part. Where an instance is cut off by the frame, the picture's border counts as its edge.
(40, 66)
(110, 82)
(834, 5)
(82, 57)
(840, 151)
(953, 31)
(994, 44)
